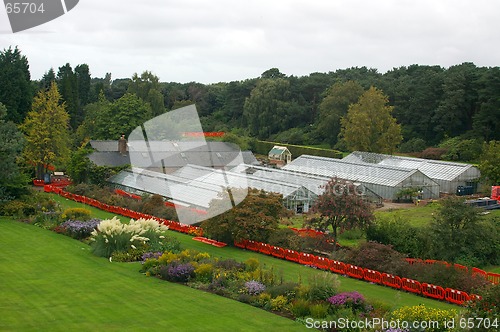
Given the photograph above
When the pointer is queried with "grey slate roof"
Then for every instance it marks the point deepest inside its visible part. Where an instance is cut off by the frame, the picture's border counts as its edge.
(111, 159)
(170, 154)
(104, 145)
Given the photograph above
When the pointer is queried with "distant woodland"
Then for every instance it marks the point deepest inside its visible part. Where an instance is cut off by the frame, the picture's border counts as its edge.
(454, 110)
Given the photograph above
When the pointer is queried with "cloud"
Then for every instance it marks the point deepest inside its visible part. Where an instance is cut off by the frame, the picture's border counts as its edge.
(221, 40)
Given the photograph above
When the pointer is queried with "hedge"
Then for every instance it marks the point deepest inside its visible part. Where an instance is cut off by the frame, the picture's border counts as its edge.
(263, 147)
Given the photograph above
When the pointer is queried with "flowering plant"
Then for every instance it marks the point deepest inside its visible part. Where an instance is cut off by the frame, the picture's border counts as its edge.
(253, 287)
(150, 255)
(178, 272)
(112, 235)
(347, 298)
(80, 229)
(353, 300)
(421, 313)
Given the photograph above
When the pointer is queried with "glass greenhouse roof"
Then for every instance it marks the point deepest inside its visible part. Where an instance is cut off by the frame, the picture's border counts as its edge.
(435, 169)
(236, 179)
(313, 183)
(360, 172)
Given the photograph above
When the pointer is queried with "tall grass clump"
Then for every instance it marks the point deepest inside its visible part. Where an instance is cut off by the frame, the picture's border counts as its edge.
(113, 236)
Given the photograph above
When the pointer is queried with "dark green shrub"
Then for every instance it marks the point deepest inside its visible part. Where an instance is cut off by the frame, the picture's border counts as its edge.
(230, 265)
(132, 255)
(380, 257)
(287, 289)
(245, 298)
(300, 308)
(445, 276)
(319, 310)
(415, 144)
(47, 220)
(462, 149)
(18, 209)
(406, 239)
(282, 237)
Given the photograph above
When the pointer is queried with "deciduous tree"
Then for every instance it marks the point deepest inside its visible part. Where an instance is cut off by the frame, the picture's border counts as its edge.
(459, 103)
(271, 108)
(460, 235)
(46, 130)
(341, 206)
(334, 106)
(490, 162)
(369, 125)
(147, 87)
(255, 218)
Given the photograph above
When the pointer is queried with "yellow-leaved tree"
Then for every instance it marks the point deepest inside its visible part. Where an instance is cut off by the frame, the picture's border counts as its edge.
(46, 130)
(369, 124)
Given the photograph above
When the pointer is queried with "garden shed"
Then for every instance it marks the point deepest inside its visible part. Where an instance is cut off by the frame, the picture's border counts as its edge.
(279, 155)
(383, 180)
(448, 175)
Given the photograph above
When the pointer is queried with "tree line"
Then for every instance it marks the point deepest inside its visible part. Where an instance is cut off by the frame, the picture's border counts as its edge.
(406, 109)
(431, 103)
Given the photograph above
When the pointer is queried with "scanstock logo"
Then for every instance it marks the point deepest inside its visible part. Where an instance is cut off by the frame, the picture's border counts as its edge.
(25, 15)
(159, 146)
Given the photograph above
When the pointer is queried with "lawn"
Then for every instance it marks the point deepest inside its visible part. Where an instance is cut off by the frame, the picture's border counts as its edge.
(419, 216)
(50, 282)
(494, 269)
(292, 271)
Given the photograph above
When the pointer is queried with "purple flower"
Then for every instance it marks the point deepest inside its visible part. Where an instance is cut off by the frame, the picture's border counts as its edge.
(80, 229)
(254, 287)
(347, 298)
(179, 272)
(150, 255)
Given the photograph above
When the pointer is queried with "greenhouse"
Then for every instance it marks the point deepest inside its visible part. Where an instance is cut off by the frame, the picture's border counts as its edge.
(448, 175)
(196, 187)
(296, 196)
(383, 180)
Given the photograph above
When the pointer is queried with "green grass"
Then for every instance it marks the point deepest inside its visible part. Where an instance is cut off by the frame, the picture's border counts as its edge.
(494, 269)
(50, 282)
(416, 216)
(292, 271)
(345, 239)
(422, 215)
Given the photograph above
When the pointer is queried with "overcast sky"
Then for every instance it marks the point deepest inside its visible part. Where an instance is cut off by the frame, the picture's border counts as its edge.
(226, 40)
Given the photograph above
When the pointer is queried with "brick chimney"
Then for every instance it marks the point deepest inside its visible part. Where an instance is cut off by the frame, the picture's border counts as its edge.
(122, 145)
